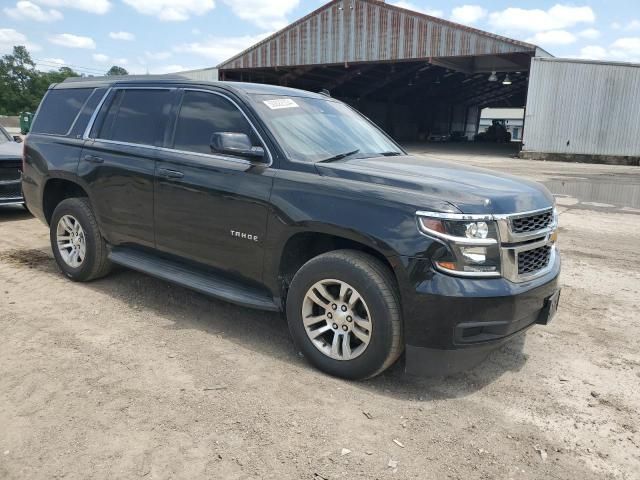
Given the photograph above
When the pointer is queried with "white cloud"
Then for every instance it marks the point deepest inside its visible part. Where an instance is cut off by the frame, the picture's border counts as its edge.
(263, 13)
(172, 10)
(126, 36)
(589, 33)
(219, 49)
(593, 52)
(629, 26)
(72, 41)
(102, 58)
(10, 38)
(468, 14)
(158, 55)
(47, 64)
(25, 10)
(626, 49)
(553, 37)
(92, 6)
(410, 6)
(557, 17)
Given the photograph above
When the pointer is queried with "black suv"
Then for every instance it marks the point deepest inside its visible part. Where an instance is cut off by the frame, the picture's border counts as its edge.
(286, 200)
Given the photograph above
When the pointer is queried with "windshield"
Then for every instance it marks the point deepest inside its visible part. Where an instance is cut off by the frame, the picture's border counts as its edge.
(314, 129)
(4, 136)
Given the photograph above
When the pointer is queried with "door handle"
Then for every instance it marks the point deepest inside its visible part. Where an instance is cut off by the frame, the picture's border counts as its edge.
(93, 159)
(168, 173)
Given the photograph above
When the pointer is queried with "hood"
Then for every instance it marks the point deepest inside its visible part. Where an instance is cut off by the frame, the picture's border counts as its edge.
(469, 189)
(10, 151)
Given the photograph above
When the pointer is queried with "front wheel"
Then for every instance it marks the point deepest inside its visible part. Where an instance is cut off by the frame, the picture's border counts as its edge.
(343, 312)
(78, 247)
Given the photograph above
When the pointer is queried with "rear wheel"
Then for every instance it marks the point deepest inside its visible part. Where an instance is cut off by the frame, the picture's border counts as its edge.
(78, 247)
(343, 312)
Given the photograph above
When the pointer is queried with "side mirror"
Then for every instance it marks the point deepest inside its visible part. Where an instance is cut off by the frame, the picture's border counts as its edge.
(17, 138)
(237, 144)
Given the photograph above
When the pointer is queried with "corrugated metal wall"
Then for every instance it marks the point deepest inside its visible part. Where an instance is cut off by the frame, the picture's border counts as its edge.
(586, 108)
(366, 30)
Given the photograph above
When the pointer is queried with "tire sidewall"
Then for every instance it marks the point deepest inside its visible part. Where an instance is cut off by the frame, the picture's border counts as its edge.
(381, 343)
(73, 207)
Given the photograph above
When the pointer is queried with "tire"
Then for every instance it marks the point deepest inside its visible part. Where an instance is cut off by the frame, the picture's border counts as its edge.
(329, 275)
(94, 262)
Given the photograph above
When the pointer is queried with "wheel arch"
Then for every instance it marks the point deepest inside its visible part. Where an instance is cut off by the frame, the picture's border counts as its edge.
(56, 190)
(301, 247)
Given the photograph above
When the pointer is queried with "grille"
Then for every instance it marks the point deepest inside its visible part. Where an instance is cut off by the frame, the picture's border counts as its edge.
(10, 191)
(9, 174)
(533, 260)
(532, 223)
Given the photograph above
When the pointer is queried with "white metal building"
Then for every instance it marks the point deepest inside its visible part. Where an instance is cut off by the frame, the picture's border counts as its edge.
(583, 110)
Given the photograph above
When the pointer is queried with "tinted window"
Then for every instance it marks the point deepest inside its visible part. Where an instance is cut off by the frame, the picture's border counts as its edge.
(59, 109)
(137, 116)
(203, 114)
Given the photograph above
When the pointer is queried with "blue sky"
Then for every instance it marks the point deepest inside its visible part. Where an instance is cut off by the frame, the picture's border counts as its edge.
(159, 36)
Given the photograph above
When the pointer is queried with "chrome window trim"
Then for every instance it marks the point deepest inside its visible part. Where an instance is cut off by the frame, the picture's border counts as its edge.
(227, 158)
(509, 243)
(94, 115)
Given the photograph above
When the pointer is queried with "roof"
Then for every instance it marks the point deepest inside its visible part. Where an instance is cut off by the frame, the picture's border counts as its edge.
(370, 31)
(243, 87)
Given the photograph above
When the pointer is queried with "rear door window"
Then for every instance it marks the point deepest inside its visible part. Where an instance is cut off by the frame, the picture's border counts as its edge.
(137, 116)
(201, 115)
(59, 109)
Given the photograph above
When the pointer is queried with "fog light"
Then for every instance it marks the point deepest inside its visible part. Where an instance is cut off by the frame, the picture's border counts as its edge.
(474, 254)
(477, 230)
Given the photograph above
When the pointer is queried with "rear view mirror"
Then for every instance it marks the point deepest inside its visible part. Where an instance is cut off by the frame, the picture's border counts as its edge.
(237, 144)
(17, 138)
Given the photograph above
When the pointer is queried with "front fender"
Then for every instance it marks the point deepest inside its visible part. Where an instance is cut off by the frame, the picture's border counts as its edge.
(376, 216)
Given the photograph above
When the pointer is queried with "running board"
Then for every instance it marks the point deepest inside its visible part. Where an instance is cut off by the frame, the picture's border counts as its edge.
(200, 281)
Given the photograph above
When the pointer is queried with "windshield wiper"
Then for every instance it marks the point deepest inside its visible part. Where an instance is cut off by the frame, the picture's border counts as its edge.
(339, 156)
(390, 154)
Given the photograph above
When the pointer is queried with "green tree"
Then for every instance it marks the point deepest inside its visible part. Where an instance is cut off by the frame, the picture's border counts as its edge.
(21, 85)
(17, 73)
(116, 70)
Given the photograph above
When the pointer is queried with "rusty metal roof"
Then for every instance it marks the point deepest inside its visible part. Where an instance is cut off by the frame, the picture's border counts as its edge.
(345, 31)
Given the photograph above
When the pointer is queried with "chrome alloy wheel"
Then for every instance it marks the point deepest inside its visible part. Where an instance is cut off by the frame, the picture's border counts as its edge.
(336, 319)
(71, 240)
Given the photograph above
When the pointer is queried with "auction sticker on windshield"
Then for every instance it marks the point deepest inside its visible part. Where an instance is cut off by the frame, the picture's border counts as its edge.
(279, 103)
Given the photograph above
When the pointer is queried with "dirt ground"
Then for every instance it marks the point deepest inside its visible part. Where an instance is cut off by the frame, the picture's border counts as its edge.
(130, 377)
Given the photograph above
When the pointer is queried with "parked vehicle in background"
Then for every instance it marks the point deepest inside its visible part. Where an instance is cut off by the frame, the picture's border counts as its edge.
(285, 200)
(10, 169)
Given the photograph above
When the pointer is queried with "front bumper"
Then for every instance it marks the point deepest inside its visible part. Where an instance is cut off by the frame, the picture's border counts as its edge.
(10, 183)
(11, 193)
(453, 323)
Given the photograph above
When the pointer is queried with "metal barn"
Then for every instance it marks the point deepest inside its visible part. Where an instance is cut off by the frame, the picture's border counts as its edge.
(583, 110)
(413, 74)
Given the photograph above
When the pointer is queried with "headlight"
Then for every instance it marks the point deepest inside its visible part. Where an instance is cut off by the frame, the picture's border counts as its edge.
(470, 245)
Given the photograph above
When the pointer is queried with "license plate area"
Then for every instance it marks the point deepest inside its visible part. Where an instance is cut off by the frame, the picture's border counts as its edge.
(549, 309)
